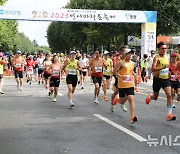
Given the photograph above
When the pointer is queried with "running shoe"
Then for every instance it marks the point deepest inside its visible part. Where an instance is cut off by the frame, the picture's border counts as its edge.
(105, 98)
(71, 106)
(27, 80)
(136, 89)
(30, 83)
(148, 99)
(133, 119)
(173, 106)
(82, 87)
(46, 87)
(96, 101)
(115, 100)
(20, 88)
(39, 82)
(2, 92)
(54, 99)
(51, 96)
(112, 108)
(123, 107)
(171, 117)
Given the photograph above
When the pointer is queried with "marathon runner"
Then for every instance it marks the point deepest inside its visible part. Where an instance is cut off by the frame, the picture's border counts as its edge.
(46, 66)
(124, 71)
(96, 65)
(3, 61)
(54, 70)
(160, 68)
(84, 63)
(72, 66)
(40, 62)
(174, 77)
(119, 56)
(18, 63)
(30, 65)
(107, 73)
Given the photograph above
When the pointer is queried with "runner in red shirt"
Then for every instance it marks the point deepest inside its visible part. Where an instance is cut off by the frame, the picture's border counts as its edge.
(29, 67)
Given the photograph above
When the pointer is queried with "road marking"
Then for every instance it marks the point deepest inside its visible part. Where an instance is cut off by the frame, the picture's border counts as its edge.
(125, 130)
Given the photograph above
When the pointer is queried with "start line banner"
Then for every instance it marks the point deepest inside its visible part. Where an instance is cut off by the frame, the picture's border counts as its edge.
(78, 15)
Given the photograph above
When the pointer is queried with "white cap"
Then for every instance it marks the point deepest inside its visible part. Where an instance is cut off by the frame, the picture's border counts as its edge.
(72, 52)
(18, 52)
(106, 52)
(128, 50)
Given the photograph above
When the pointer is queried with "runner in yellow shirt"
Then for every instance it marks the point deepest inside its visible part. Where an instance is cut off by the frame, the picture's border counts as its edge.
(107, 73)
(160, 69)
(72, 65)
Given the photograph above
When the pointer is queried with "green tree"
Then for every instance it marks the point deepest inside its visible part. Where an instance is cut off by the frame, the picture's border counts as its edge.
(8, 30)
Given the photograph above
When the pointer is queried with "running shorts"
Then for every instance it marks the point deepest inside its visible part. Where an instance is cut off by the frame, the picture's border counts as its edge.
(18, 74)
(72, 79)
(97, 80)
(175, 85)
(46, 75)
(54, 82)
(126, 91)
(160, 83)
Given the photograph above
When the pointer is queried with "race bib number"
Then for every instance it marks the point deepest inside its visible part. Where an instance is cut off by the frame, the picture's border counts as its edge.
(164, 72)
(84, 70)
(47, 68)
(127, 78)
(40, 66)
(72, 72)
(98, 69)
(173, 77)
(106, 70)
(56, 73)
(18, 65)
(30, 68)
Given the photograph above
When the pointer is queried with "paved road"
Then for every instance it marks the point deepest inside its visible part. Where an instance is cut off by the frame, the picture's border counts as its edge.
(32, 124)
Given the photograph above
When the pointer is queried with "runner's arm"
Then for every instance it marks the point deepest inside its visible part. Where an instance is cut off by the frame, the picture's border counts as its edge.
(79, 67)
(115, 71)
(64, 66)
(89, 68)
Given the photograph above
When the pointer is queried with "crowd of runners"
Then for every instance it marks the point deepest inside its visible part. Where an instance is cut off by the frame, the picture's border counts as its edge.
(120, 67)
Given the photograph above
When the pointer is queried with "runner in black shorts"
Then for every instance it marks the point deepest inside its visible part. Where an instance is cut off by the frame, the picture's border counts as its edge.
(54, 70)
(72, 77)
(97, 64)
(160, 68)
(97, 80)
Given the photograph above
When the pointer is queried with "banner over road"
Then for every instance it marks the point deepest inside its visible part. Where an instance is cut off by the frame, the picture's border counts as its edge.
(78, 15)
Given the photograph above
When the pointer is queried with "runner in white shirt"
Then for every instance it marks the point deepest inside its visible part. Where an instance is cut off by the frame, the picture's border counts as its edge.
(149, 63)
(84, 63)
(40, 62)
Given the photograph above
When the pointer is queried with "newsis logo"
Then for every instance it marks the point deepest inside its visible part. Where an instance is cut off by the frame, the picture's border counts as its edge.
(1, 11)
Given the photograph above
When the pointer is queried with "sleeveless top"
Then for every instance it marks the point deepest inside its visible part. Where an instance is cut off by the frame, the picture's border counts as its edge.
(127, 70)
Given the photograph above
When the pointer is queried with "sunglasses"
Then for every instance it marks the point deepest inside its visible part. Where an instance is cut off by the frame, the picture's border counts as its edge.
(164, 48)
